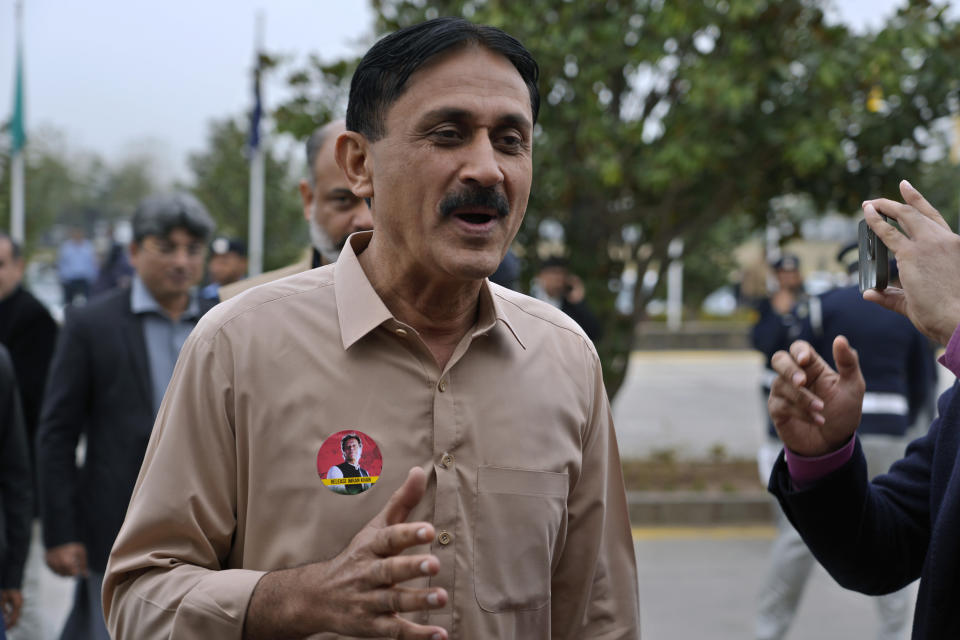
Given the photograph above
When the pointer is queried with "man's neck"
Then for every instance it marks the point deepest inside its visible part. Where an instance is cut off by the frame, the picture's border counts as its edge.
(174, 306)
(440, 312)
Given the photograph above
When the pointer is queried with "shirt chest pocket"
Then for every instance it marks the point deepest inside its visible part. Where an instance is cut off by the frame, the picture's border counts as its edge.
(519, 517)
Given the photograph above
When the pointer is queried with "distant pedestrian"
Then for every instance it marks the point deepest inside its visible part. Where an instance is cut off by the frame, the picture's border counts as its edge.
(27, 330)
(331, 209)
(228, 264)
(565, 291)
(29, 333)
(784, 316)
(115, 270)
(77, 267)
(16, 497)
(113, 361)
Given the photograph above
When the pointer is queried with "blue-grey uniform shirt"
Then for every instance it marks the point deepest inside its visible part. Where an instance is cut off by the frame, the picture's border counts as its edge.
(163, 335)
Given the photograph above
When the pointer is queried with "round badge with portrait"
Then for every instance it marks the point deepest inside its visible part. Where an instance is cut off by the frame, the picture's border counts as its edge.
(349, 462)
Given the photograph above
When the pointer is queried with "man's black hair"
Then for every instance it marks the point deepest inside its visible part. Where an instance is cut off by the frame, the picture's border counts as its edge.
(382, 76)
(15, 251)
(343, 440)
(158, 215)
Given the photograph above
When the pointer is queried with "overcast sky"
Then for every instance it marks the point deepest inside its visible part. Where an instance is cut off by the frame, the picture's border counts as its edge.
(120, 76)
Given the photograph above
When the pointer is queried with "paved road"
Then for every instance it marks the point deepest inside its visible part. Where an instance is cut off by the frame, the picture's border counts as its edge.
(702, 583)
(690, 402)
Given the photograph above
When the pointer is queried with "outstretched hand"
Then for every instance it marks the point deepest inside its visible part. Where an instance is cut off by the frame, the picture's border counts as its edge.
(928, 258)
(814, 408)
(358, 592)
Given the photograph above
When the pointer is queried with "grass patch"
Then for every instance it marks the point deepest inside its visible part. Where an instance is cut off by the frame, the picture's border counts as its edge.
(663, 472)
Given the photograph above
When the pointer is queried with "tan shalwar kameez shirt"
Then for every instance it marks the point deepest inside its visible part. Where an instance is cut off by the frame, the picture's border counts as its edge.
(524, 481)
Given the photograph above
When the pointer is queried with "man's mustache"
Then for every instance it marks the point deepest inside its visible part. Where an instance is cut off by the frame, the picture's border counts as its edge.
(481, 197)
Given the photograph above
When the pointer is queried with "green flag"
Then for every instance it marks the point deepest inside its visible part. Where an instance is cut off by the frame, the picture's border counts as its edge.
(17, 130)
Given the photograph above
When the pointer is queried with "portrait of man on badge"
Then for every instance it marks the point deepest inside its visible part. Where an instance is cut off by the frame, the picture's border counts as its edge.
(342, 465)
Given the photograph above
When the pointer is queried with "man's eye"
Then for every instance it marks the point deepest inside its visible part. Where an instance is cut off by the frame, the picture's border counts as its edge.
(447, 134)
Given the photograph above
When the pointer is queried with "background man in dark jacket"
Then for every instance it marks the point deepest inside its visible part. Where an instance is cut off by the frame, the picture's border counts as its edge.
(27, 331)
(113, 361)
(16, 496)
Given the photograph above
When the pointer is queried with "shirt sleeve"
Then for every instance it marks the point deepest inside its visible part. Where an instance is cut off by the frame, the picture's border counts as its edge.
(804, 470)
(168, 573)
(334, 472)
(951, 357)
(594, 587)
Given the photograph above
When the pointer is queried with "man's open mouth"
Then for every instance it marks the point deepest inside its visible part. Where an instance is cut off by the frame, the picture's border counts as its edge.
(475, 218)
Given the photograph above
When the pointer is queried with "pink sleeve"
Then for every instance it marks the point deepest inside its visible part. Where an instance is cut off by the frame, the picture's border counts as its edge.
(805, 471)
(951, 357)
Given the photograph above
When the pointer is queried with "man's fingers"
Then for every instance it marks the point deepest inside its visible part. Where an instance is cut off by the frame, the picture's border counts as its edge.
(403, 599)
(397, 627)
(915, 199)
(788, 368)
(888, 234)
(787, 398)
(891, 298)
(848, 364)
(390, 571)
(806, 357)
(394, 539)
(405, 498)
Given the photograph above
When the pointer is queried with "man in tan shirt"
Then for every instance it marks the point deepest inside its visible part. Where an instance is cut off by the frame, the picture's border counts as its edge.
(331, 210)
(497, 508)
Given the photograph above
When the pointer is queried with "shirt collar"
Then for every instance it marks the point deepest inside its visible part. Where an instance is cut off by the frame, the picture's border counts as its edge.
(360, 310)
(142, 301)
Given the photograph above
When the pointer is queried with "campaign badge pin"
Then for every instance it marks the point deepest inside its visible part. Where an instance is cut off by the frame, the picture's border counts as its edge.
(349, 462)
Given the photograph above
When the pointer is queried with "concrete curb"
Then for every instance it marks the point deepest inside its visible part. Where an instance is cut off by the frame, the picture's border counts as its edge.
(699, 508)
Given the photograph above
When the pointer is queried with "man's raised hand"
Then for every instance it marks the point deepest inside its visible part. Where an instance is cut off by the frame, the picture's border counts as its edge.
(814, 408)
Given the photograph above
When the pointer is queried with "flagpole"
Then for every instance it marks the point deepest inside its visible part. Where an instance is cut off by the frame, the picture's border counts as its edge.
(256, 163)
(17, 132)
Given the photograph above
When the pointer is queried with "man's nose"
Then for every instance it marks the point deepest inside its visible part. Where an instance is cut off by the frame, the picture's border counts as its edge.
(480, 164)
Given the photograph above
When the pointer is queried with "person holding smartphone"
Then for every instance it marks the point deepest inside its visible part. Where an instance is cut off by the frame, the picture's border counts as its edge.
(876, 537)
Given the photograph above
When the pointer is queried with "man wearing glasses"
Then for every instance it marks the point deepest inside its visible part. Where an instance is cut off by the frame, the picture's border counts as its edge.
(113, 361)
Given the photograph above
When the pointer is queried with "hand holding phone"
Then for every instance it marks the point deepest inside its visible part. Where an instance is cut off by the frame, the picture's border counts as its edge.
(873, 259)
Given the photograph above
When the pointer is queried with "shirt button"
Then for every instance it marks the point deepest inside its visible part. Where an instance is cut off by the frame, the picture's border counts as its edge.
(443, 385)
(444, 538)
(401, 332)
(446, 461)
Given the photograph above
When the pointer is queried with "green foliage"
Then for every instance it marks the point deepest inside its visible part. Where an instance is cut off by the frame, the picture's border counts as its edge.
(221, 180)
(684, 119)
(65, 187)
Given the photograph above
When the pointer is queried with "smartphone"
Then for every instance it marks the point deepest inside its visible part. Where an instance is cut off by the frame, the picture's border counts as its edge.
(873, 259)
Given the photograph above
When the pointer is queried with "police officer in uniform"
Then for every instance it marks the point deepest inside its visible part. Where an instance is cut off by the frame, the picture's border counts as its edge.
(784, 317)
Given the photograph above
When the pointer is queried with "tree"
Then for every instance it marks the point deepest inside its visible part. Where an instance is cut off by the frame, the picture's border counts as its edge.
(66, 186)
(221, 177)
(661, 120)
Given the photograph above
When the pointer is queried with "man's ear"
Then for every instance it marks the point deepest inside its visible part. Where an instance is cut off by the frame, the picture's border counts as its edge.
(306, 196)
(133, 251)
(353, 158)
